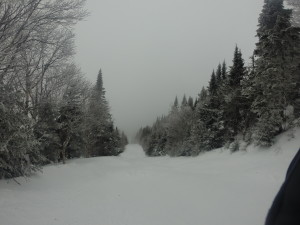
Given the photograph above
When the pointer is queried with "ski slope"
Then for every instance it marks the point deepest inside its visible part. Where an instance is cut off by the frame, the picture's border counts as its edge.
(216, 188)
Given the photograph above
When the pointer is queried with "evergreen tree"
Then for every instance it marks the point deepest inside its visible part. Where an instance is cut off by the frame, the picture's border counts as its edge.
(143, 137)
(99, 83)
(208, 129)
(184, 101)
(175, 106)
(113, 145)
(46, 129)
(179, 124)
(196, 103)
(175, 102)
(213, 84)
(200, 131)
(203, 94)
(70, 123)
(219, 74)
(191, 102)
(158, 138)
(100, 133)
(237, 70)
(276, 79)
(247, 95)
(224, 71)
(233, 98)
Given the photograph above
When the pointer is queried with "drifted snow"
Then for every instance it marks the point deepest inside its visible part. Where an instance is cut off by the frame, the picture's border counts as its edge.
(216, 188)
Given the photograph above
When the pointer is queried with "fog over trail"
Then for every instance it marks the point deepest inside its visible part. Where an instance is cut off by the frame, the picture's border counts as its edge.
(151, 51)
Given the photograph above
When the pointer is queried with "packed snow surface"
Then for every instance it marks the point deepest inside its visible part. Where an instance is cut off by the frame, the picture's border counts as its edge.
(215, 188)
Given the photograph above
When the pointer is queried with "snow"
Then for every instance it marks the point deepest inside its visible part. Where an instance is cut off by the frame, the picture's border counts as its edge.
(215, 188)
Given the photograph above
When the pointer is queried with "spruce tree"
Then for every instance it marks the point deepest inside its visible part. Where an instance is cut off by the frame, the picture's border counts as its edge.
(176, 102)
(208, 129)
(179, 125)
(233, 99)
(100, 133)
(237, 70)
(191, 102)
(203, 94)
(184, 101)
(70, 121)
(196, 103)
(219, 73)
(213, 86)
(175, 106)
(158, 138)
(276, 80)
(224, 70)
(46, 131)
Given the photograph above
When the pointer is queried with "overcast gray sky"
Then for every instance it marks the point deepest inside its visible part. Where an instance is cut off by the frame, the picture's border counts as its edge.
(152, 50)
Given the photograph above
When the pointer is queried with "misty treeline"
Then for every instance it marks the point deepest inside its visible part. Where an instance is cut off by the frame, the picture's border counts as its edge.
(242, 104)
(48, 110)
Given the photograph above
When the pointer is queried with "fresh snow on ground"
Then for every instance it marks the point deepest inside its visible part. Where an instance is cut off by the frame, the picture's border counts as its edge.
(215, 188)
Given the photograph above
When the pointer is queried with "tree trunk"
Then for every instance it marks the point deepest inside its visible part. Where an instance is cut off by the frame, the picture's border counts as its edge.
(64, 147)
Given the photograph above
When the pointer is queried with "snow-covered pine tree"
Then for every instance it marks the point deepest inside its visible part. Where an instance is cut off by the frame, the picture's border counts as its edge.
(175, 105)
(114, 145)
(234, 101)
(99, 130)
(276, 72)
(171, 127)
(208, 129)
(170, 134)
(143, 137)
(213, 86)
(248, 96)
(224, 70)
(199, 131)
(203, 95)
(237, 70)
(191, 103)
(71, 118)
(184, 101)
(158, 138)
(179, 125)
(219, 73)
(196, 103)
(46, 128)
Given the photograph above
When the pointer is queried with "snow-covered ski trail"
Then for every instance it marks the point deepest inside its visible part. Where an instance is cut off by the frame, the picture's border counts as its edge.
(217, 188)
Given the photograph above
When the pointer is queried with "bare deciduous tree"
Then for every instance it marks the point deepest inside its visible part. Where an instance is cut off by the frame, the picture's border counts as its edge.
(36, 54)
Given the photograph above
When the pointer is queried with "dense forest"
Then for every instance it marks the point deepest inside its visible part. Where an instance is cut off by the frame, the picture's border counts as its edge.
(242, 104)
(48, 111)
